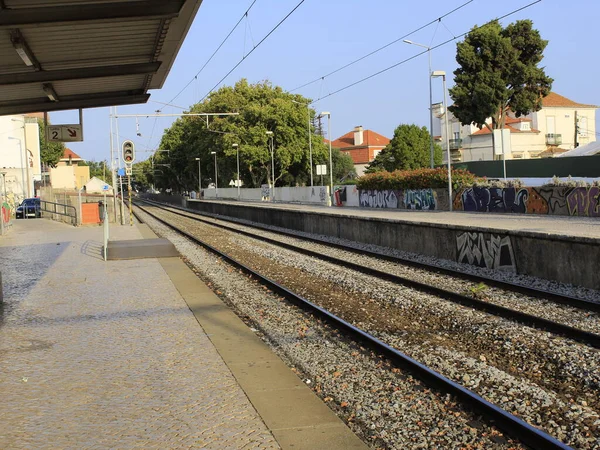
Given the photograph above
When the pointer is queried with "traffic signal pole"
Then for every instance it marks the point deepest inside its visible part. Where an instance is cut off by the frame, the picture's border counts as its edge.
(128, 157)
(130, 209)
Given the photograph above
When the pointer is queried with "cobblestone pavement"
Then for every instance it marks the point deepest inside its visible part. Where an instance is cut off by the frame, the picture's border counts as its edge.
(107, 355)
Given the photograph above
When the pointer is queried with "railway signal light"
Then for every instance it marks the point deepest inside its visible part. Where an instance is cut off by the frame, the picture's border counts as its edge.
(128, 152)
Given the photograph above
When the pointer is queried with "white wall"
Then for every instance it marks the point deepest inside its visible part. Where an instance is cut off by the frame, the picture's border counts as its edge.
(564, 124)
(251, 195)
(314, 195)
(11, 143)
(352, 197)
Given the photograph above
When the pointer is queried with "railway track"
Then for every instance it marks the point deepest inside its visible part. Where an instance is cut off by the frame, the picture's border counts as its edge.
(512, 425)
(504, 285)
(587, 337)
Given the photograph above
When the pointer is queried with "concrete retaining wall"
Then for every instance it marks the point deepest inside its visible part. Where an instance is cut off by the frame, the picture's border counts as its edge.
(556, 201)
(247, 195)
(316, 195)
(565, 259)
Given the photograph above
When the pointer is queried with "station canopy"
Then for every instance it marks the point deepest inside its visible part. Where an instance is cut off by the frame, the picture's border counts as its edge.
(69, 54)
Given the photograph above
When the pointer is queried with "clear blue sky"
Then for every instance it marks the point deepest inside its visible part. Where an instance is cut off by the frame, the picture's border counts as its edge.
(322, 36)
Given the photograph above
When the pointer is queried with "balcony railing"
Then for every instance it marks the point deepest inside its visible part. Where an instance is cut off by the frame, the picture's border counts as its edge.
(455, 144)
(553, 139)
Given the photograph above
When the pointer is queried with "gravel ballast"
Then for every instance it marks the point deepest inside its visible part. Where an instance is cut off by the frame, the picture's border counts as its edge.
(549, 381)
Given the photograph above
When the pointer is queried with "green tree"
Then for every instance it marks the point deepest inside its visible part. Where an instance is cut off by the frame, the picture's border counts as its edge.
(99, 170)
(50, 152)
(261, 107)
(408, 149)
(499, 72)
(142, 175)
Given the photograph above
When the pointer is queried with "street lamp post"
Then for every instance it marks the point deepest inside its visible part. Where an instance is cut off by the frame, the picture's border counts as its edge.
(441, 73)
(328, 114)
(270, 134)
(309, 139)
(237, 150)
(430, 102)
(216, 178)
(199, 179)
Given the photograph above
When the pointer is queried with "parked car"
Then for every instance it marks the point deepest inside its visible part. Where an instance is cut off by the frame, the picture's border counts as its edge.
(30, 207)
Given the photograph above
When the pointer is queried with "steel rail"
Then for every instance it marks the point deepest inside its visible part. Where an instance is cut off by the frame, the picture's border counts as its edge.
(500, 418)
(530, 320)
(507, 285)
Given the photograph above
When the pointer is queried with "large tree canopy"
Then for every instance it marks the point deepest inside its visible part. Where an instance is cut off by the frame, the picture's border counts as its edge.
(50, 152)
(499, 72)
(261, 108)
(408, 149)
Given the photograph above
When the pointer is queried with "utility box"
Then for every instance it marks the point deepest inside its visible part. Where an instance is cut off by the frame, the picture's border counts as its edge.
(90, 213)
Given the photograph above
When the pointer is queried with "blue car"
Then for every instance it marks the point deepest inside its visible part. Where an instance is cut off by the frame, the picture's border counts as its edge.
(30, 207)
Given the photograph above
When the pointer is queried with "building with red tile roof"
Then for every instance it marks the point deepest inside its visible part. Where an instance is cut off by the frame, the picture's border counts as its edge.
(68, 173)
(362, 146)
(561, 124)
(70, 156)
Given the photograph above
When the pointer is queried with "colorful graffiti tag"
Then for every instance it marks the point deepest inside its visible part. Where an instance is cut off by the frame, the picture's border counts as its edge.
(584, 202)
(492, 252)
(420, 199)
(566, 201)
(380, 199)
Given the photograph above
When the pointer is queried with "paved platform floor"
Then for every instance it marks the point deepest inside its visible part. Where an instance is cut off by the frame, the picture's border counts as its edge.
(557, 225)
(97, 354)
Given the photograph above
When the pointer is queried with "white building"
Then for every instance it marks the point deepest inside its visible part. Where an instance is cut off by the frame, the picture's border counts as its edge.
(544, 133)
(20, 155)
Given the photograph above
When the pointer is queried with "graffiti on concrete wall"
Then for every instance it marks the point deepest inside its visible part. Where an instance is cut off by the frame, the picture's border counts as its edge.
(567, 201)
(379, 199)
(584, 201)
(265, 192)
(323, 194)
(491, 251)
(495, 199)
(420, 199)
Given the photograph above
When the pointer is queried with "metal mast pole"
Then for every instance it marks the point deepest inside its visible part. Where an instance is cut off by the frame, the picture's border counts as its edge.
(113, 169)
(121, 178)
(447, 144)
(273, 167)
(310, 145)
(330, 159)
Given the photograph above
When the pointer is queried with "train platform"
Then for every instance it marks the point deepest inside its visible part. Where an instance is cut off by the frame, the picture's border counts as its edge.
(501, 222)
(554, 248)
(137, 354)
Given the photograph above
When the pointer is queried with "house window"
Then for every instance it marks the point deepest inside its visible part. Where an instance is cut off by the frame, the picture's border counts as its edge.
(456, 135)
(375, 153)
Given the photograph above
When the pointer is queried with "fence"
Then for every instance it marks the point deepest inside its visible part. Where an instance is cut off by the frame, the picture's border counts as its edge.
(580, 166)
(74, 199)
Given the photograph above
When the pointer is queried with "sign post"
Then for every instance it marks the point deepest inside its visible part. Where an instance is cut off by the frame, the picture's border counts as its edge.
(128, 158)
(321, 170)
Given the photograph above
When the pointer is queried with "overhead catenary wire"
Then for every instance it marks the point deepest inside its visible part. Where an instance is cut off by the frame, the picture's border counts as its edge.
(404, 61)
(437, 20)
(253, 48)
(215, 52)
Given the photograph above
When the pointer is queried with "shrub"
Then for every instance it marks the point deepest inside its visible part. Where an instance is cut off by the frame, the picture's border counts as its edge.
(570, 182)
(485, 183)
(415, 179)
